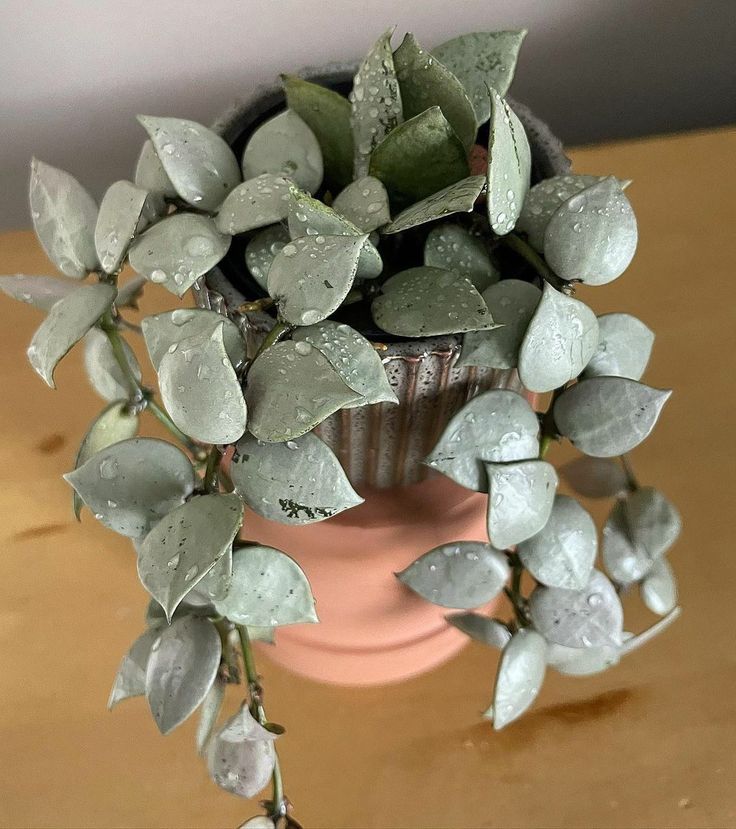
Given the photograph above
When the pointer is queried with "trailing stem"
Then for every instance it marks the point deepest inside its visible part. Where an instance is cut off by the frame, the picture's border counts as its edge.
(527, 252)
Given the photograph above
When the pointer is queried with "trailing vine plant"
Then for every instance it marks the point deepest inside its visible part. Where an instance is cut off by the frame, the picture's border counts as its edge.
(385, 201)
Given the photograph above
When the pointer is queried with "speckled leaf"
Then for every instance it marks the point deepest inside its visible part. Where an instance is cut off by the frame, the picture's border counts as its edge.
(607, 416)
(586, 618)
(199, 163)
(595, 477)
(67, 322)
(261, 250)
(120, 213)
(512, 304)
(520, 498)
(458, 197)
(208, 714)
(592, 236)
(497, 426)
(103, 372)
(130, 680)
(255, 203)
(560, 339)
(519, 678)
(291, 389)
(150, 174)
(582, 661)
(42, 292)
(479, 60)
(490, 632)
(420, 157)
(176, 251)
(365, 203)
(132, 484)
(200, 389)
(297, 482)
(215, 584)
(460, 574)
(659, 589)
(455, 248)
(624, 347)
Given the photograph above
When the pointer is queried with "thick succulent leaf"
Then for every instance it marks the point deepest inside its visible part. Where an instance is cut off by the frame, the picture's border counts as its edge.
(120, 213)
(186, 544)
(519, 678)
(268, 589)
(509, 166)
(582, 661)
(498, 426)
(420, 157)
(460, 574)
(150, 174)
(559, 341)
(479, 60)
(520, 498)
(42, 292)
(176, 251)
(130, 292)
(132, 484)
(181, 669)
(595, 477)
(292, 387)
(659, 589)
(426, 82)
(458, 197)
(67, 322)
(130, 680)
(354, 359)
(311, 276)
(375, 100)
(64, 216)
(257, 202)
(490, 632)
(512, 304)
(208, 714)
(586, 618)
(200, 389)
(261, 250)
(424, 302)
(607, 416)
(624, 347)
(639, 531)
(592, 236)
(328, 116)
(297, 482)
(456, 248)
(199, 163)
(364, 202)
(103, 371)
(562, 553)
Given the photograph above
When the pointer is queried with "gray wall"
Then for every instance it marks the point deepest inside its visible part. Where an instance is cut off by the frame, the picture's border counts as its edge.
(74, 74)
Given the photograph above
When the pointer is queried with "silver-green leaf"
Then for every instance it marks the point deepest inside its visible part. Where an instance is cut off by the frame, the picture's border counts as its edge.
(456, 248)
(130, 680)
(582, 661)
(490, 632)
(364, 202)
(42, 292)
(120, 212)
(624, 347)
(458, 197)
(257, 202)
(659, 589)
(208, 714)
(261, 250)
(519, 678)
(150, 173)
(103, 370)
(595, 477)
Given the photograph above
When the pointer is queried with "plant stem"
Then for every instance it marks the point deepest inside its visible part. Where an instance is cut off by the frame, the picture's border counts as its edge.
(526, 251)
(107, 324)
(199, 452)
(278, 332)
(513, 594)
(631, 480)
(212, 469)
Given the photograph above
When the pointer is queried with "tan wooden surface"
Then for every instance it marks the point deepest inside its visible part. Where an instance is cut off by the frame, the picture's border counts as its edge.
(651, 743)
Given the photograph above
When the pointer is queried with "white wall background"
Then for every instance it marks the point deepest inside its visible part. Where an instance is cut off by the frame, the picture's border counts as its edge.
(74, 74)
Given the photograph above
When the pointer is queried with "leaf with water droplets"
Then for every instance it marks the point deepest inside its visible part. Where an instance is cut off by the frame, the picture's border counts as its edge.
(150, 174)
(199, 163)
(488, 631)
(585, 618)
(208, 714)
(261, 250)
(181, 669)
(458, 249)
(102, 368)
(176, 251)
(659, 589)
(42, 292)
(132, 484)
(312, 275)
(255, 203)
(519, 678)
(130, 680)
(607, 416)
(592, 236)
(638, 532)
(425, 302)
(560, 339)
(200, 389)
(420, 157)
(117, 221)
(459, 197)
(67, 322)
(268, 589)
(624, 347)
(364, 202)
(479, 60)
(582, 661)
(292, 387)
(595, 477)
(425, 82)
(520, 498)
(562, 553)
(297, 482)
(460, 574)
(498, 426)
(512, 304)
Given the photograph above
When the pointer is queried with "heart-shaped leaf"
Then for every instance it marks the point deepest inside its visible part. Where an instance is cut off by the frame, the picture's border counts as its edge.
(659, 589)
(455, 248)
(103, 371)
(624, 347)
(176, 251)
(42, 292)
(488, 631)
(181, 669)
(560, 339)
(459, 197)
(582, 661)
(255, 203)
(117, 221)
(297, 482)
(199, 163)
(562, 553)
(519, 678)
(268, 589)
(520, 498)
(497, 426)
(607, 416)
(208, 714)
(595, 477)
(67, 322)
(150, 174)
(186, 544)
(460, 574)
(364, 202)
(261, 250)
(592, 236)
(130, 680)
(292, 387)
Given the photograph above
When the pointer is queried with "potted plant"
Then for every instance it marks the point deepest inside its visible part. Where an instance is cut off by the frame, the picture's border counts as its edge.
(384, 261)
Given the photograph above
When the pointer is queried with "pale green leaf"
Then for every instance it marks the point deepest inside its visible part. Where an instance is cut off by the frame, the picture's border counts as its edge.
(255, 203)
(261, 250)
(624, 347)
(208, 714)
(582, 661)
(364, 202)
(117, 221)
(42, 292)
(458, 249)
(459, 197)
(595, 477)
(519, 678)
(130, 680)
(102, 368)
(659, 589)
(150, 174)
(490, 632)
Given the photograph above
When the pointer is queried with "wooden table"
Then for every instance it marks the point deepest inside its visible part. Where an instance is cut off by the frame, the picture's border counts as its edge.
(651, 743)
